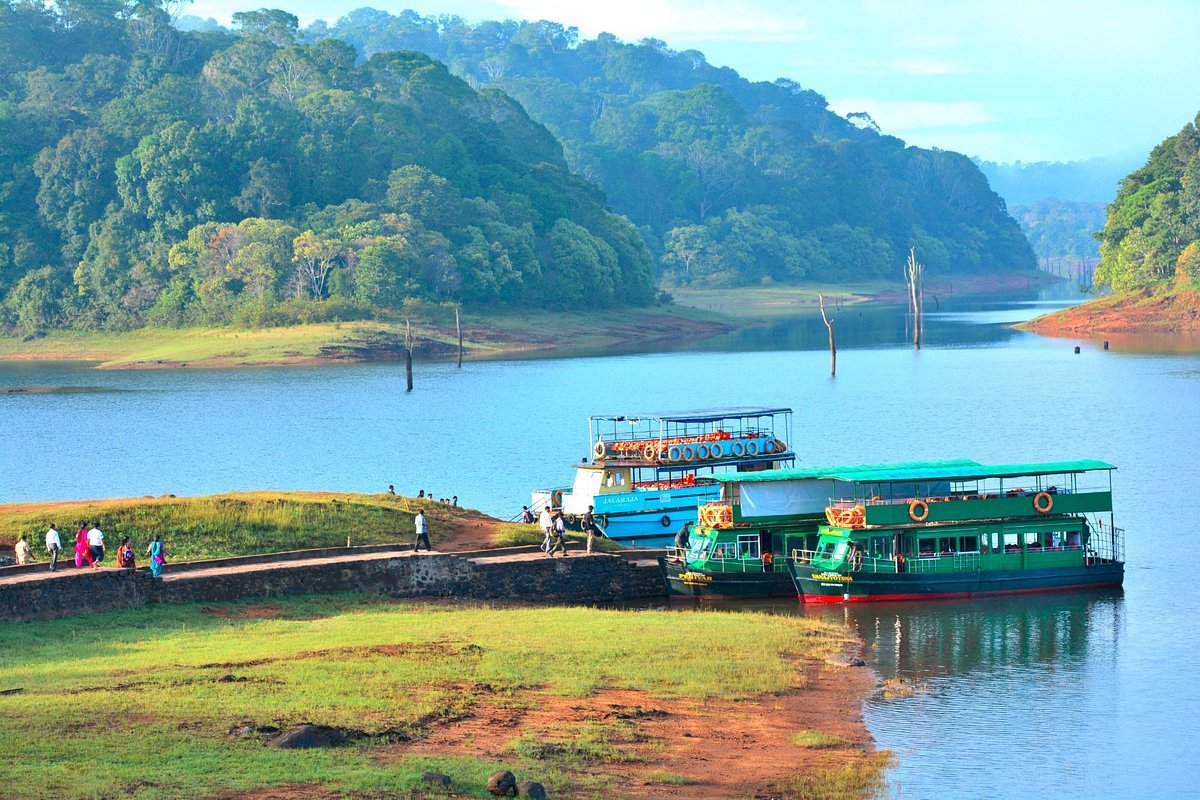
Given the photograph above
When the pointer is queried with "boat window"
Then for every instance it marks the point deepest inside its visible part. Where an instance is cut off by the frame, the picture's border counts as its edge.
(947, 545)
(928, 548)
(1033, 541)
(968, 544)
(995, 540)
(1073, 540)
(881, 546)
(1054, 540)
(748, 546)
(1012, 544)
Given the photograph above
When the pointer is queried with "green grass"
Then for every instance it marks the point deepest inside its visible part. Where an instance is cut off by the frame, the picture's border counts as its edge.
(851, 782)
(241, 523)
(141, 703)
(817, 740)
(669, 778)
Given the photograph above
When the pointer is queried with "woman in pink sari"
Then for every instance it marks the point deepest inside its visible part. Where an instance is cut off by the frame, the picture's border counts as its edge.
(82, 552)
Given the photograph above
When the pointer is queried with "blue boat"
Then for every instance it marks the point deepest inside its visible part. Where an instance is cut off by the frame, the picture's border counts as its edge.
(648, 473)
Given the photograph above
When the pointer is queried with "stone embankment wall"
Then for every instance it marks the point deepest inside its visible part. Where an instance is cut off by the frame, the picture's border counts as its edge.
(579, 579)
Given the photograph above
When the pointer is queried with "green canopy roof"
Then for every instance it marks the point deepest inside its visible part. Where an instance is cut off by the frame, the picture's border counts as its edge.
(914, 471)
(834, 473)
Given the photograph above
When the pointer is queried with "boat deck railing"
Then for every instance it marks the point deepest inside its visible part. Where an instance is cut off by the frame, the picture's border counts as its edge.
(734, 564)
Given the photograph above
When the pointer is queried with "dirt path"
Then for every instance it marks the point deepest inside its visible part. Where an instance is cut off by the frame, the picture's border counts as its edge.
(676, 748)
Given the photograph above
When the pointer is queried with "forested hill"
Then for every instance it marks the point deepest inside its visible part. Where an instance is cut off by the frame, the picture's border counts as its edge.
(153, 176)
(1152, 235)
(730, 180)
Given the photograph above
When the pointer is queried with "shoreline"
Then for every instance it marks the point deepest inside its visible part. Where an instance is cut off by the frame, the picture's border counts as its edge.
(806, 719)
(1165, 310)
(697, 314)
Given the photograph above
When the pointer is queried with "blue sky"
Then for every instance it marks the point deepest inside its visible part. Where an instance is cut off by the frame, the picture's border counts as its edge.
(1007, 80)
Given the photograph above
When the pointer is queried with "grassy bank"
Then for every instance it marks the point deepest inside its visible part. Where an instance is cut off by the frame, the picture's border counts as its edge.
(245, 523)
(177, 701)
(490, 336)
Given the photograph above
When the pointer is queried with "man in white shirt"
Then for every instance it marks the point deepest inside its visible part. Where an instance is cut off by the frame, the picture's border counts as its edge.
(53, 545)
(95, 540)
(547, 523)
(422, 528)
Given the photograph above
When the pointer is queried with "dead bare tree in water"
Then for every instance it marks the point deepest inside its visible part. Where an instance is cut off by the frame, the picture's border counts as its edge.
(458, 327)
(832, 346)
(409, 344)
(914, 278)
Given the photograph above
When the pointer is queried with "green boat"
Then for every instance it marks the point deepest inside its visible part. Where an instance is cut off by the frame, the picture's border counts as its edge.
(916, 532)
(769, 511)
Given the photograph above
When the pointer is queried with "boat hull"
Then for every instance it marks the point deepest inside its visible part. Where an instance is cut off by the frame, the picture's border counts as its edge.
(650, 519)
(814, 585)
(685, 583)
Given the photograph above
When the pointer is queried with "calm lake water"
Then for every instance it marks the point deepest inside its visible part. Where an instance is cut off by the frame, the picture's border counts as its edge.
(1070, 696)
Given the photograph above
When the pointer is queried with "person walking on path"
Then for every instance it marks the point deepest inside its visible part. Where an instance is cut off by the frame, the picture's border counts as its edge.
(422, 528)
(158, 556)
(589, 527)
(53, 545)
(95, 542)
(82, 552)
(125, 559)
(560, 536)
(547, 523)
(526, 515)
(24, 551)
(683, 540)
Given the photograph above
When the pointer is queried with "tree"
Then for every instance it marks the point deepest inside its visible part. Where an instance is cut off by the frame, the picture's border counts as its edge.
(277, 27)
(314, 258)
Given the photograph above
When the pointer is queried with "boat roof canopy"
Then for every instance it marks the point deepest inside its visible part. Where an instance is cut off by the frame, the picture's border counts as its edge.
(952, 470)
(695, 415)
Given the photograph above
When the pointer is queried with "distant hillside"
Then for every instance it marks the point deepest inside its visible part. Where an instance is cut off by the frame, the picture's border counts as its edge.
(1094, 180)
(730, 181)
(152, 176)
(1062, 234)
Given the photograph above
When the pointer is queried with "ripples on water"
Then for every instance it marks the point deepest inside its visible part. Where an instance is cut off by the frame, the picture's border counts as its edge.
(1064, 696)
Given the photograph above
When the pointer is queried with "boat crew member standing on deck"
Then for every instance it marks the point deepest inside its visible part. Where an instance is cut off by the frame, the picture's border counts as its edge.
(422, 528)
(768, 559)
(589, 527)
(683, 539)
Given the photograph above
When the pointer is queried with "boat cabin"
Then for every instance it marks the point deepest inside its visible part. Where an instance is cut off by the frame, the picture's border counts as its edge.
(929, 519)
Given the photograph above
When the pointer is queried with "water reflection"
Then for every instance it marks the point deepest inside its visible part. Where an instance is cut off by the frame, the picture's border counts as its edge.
(918, 641)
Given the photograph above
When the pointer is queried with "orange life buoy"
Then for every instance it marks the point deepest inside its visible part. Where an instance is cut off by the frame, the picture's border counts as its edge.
(649, 452)
(599, 450)
(556, 498)
(912, 510)
(1043, 502)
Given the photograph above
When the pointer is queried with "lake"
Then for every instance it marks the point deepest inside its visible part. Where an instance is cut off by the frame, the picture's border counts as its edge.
(1074, 696)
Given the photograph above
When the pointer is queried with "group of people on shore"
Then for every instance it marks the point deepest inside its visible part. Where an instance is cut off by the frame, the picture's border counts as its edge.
(89, 548)
(554, 528)
(423, 495)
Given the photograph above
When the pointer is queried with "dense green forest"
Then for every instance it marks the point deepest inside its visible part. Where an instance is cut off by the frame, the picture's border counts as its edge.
(730, 181)
(1152, 234)
(1061, 229)
(154, 176)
